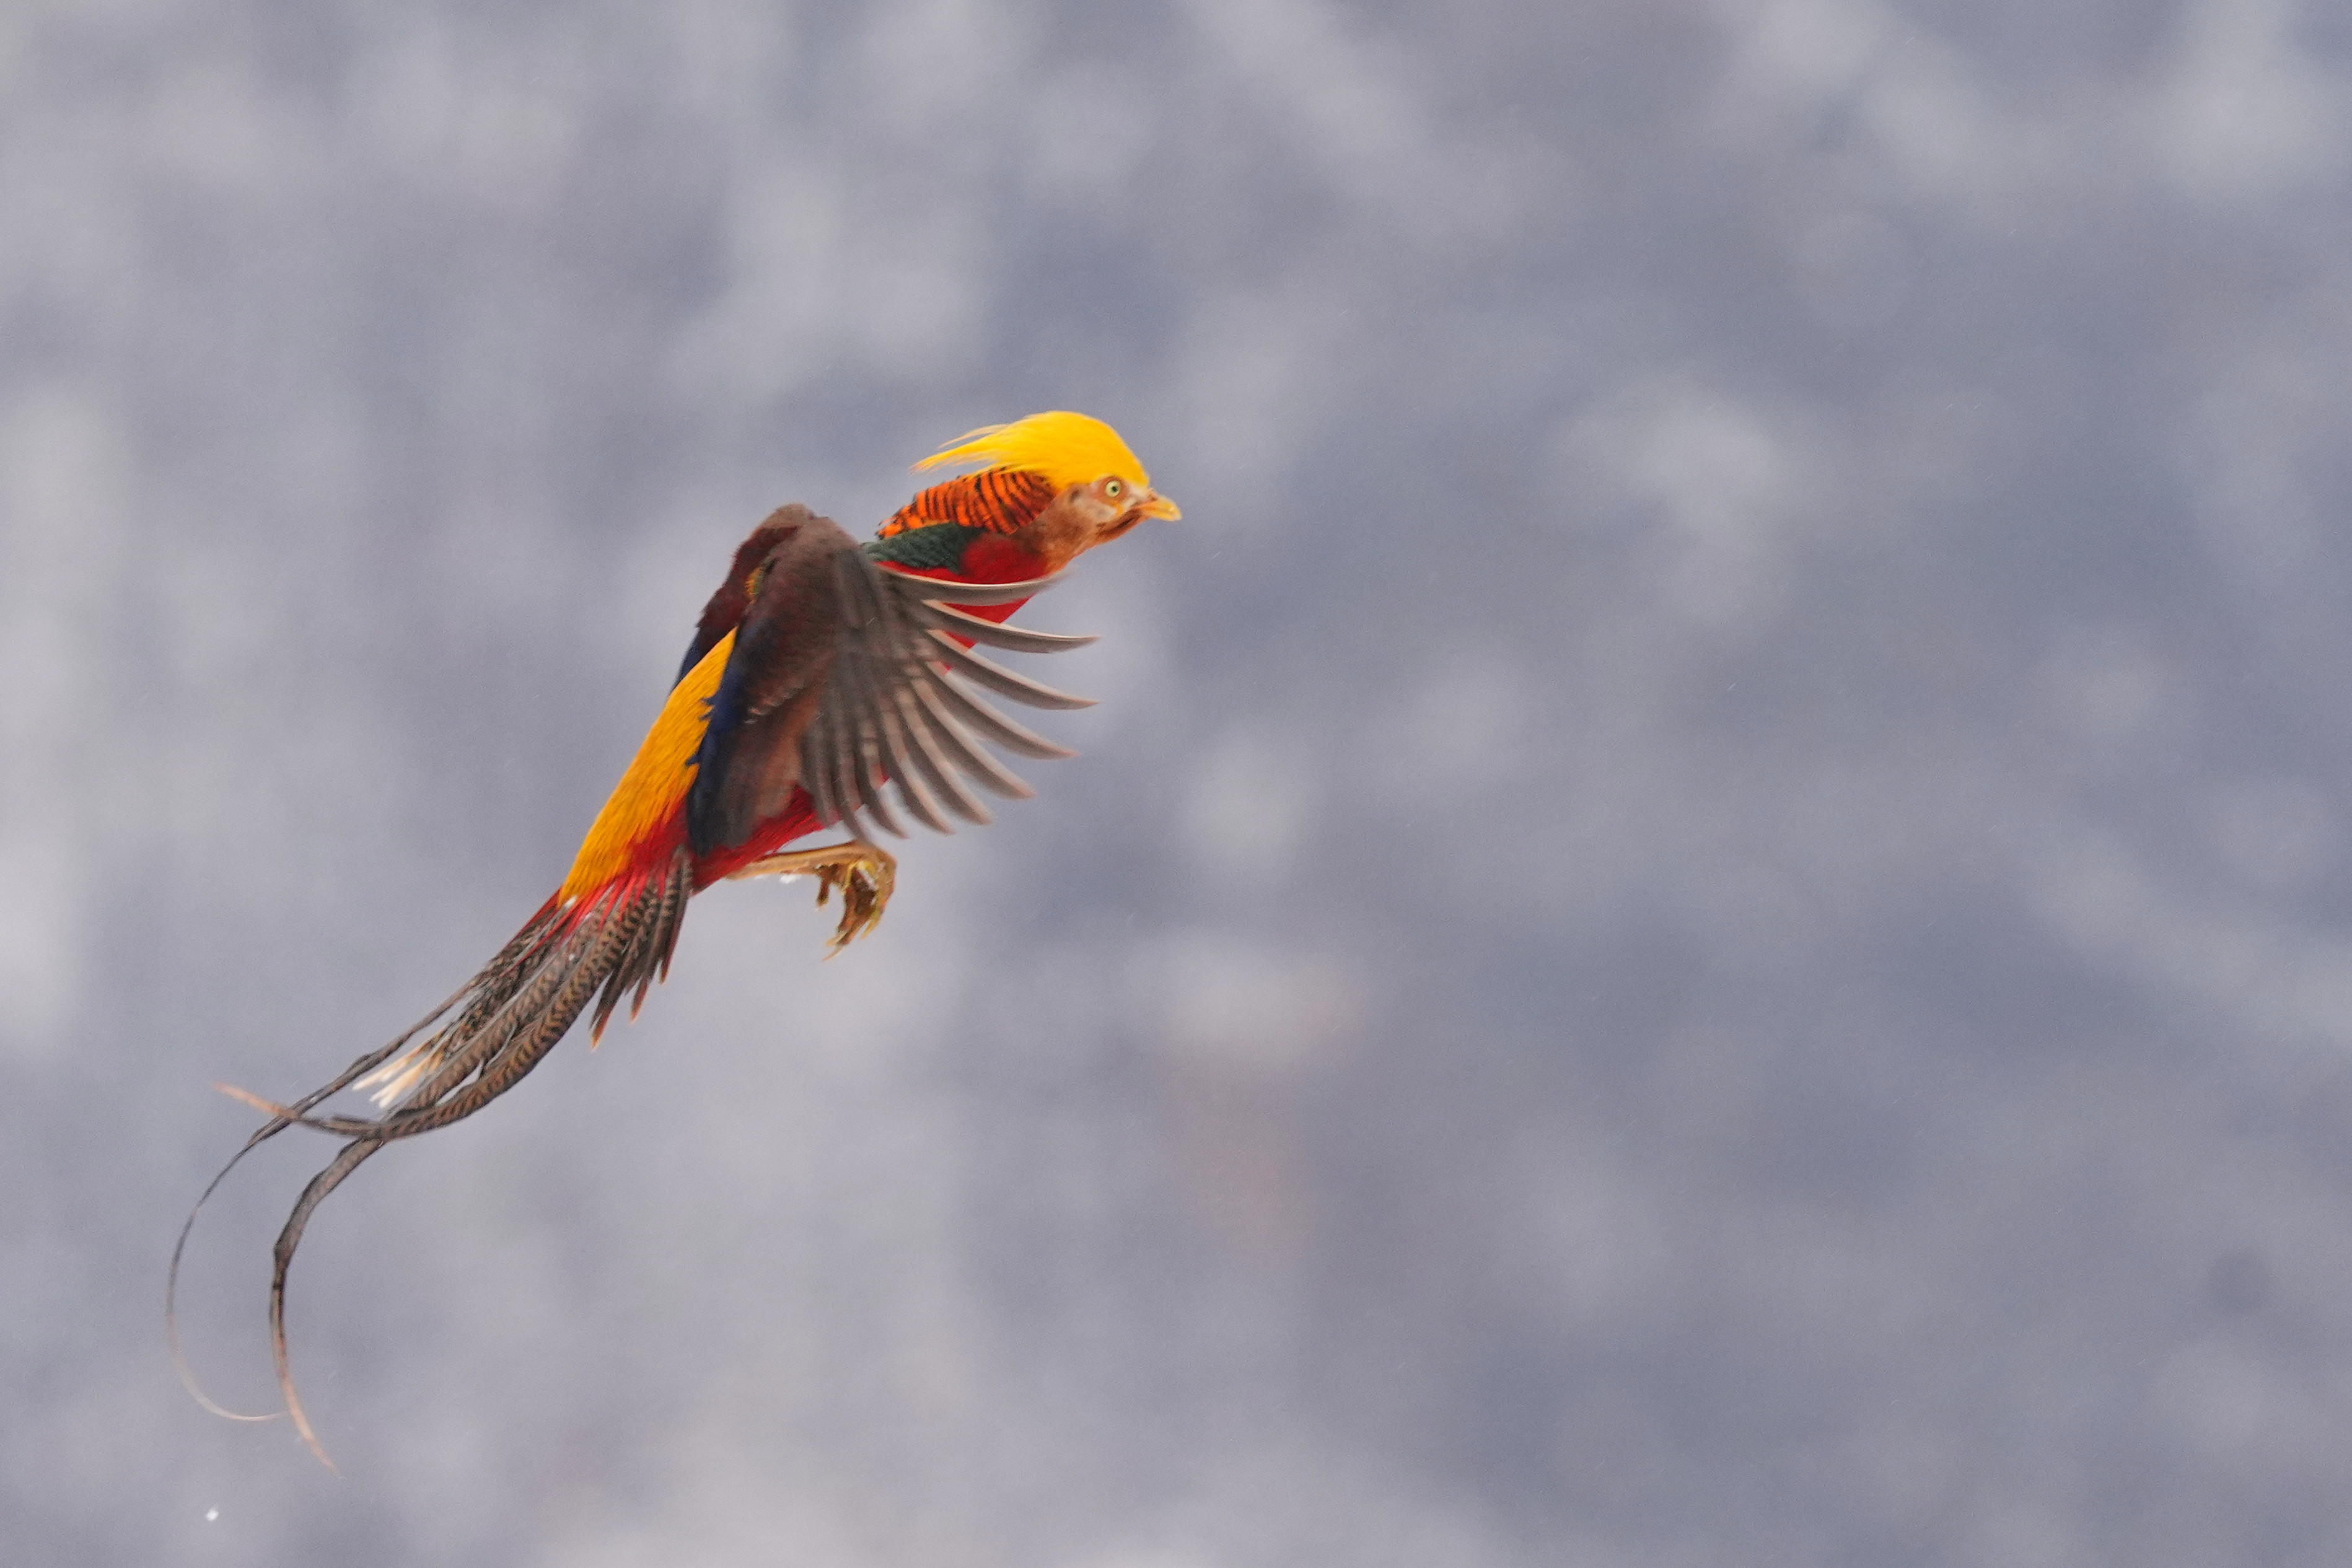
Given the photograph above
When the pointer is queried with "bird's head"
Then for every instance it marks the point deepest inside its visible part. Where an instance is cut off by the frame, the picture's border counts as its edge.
(1100, 490)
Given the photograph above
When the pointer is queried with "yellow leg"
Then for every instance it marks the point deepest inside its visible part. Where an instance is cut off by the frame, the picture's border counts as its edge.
(865, 872)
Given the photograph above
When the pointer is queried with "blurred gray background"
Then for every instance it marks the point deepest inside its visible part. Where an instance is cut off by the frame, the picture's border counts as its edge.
(1708, 919)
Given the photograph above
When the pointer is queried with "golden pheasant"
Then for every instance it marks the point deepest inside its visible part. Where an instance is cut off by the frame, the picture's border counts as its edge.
(822, 677)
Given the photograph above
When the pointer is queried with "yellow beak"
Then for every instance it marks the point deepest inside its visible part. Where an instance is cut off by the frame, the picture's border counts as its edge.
(1160, 506)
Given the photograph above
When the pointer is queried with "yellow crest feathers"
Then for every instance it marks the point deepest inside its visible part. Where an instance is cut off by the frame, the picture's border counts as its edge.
(1066, 448)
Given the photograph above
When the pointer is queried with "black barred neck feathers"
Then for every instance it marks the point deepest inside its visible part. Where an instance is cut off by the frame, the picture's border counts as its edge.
(999, 500)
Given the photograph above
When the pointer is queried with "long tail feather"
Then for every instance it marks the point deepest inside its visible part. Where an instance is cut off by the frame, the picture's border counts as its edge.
(282, 1260)
(646, 956)
(281, 1118)
(485, 995)
(509, 1016)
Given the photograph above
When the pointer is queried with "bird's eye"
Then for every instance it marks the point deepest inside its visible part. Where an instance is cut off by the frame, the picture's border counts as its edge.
(1113, 488)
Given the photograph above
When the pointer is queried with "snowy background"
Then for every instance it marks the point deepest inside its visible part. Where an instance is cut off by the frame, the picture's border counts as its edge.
(1708, 918)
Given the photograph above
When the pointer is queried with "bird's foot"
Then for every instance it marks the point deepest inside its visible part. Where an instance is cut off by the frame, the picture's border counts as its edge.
(865, 872)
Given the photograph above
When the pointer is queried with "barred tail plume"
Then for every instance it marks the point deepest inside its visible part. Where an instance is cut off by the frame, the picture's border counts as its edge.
(508, 1016)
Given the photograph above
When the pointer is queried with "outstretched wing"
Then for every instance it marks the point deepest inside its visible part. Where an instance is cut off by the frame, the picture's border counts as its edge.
(839, 684)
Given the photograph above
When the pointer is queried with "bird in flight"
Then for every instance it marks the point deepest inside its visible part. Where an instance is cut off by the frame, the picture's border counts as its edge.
(826, 677)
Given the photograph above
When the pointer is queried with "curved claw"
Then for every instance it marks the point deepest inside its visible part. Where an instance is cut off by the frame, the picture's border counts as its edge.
(866, 874)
